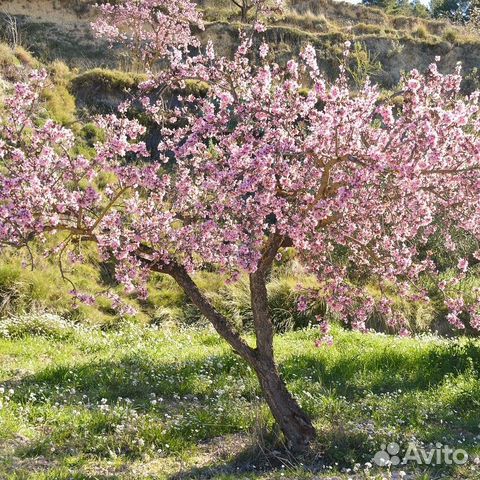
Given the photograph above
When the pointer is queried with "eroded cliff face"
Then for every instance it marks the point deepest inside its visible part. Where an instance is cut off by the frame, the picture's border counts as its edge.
(56, 29)
(60, 29)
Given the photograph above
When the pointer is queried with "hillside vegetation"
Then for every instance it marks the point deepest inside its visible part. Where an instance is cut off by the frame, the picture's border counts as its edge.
(55, 29)
(89, 392)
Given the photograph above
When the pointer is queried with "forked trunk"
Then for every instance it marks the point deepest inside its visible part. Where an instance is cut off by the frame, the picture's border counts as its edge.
(293, 422)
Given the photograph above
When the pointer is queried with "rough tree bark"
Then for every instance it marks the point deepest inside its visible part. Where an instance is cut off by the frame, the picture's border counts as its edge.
(293, 422)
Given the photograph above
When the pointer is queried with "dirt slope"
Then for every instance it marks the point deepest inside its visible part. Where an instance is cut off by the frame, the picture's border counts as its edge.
(54, 29)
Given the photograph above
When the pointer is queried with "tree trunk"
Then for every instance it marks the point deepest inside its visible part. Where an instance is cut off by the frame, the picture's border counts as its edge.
(243, 14)
(293, 422)
(244, 10)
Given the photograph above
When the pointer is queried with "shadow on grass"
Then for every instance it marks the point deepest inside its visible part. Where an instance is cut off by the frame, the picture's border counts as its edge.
(136, 377)
(190, 387)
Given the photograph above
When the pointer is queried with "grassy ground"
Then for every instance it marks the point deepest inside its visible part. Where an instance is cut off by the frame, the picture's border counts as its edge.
(164, 403)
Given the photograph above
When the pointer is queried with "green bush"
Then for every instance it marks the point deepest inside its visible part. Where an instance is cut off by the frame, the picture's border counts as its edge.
(402, 22)
(59, 72)
(362, 64)
(10, 65)
(196, 88)
(25, 57)
(92, 134)
(451, 35)
(60, 105)
(37, 324)
(104, 80)
(304, 91)
(420, 32)
(367, 29)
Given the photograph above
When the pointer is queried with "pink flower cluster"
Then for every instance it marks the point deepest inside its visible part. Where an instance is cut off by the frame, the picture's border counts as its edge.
(152, 28)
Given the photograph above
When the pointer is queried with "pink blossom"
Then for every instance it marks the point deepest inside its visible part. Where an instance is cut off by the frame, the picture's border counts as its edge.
(263, 50)
(463, 264)
(413, 84)
(404, 332)
(327, 340)
(259, 27)
(150, 28)
(252, 159)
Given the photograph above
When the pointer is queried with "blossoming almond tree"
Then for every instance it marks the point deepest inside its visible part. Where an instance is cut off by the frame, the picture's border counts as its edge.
(257, 7)
(254, 166)
(149, 28)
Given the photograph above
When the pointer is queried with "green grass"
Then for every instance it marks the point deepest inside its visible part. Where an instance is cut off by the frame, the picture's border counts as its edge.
(167, 403)
(101, 90)
(42, 288)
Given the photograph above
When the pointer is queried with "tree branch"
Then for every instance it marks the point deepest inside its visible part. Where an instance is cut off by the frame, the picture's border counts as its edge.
(259, 297)
(268, 255)
(219, 322)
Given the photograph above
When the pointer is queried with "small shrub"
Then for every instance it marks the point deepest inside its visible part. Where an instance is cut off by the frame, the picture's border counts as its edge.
(10, 66)
(367, 29)
(11, 288)
(163, 315)
(306, 21)
(25, 57)
(7, 57)
(60, 104)
(471, 81)
(91, 134)
(59, 72)
(398, 101)
(9, 276)
(103, 80)
(283, 304)
(436, 27)
(304, 91)
(196, 88)
(402, 22)
(37, 324)
(420, 32)
(451, 35)
(362, 64)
